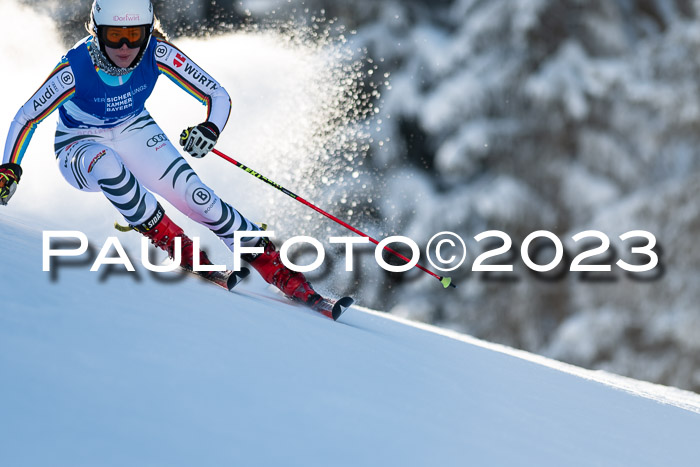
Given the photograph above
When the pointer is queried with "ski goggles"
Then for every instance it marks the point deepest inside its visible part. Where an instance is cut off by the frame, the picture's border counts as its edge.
(115, 36)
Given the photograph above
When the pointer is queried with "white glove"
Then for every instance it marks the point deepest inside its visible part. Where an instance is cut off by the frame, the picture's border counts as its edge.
(199, 140)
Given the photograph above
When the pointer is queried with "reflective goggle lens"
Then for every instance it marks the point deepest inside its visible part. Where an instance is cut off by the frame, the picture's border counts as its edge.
(116, 36)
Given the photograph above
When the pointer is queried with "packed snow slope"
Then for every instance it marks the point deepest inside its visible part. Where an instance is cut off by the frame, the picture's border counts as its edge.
(122, 369)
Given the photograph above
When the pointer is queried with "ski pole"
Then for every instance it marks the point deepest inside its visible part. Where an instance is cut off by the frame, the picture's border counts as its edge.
(445, 281)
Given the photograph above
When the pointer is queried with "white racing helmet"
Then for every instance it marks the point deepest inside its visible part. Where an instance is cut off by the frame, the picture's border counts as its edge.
(118, 22)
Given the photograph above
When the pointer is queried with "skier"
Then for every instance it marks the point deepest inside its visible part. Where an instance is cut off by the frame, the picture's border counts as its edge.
(107, 141)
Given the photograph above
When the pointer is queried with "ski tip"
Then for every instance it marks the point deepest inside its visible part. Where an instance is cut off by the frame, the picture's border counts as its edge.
(236, 277)
(447, 282)
(340, 306)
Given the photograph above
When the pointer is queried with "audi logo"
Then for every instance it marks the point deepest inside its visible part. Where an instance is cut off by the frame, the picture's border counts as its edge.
(157, 139)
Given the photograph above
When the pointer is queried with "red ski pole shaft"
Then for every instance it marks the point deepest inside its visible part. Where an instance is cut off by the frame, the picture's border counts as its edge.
(445, 281)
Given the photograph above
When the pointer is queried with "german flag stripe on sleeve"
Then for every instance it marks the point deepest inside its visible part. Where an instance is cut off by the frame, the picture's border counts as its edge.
(61, 66)
(25, 135)
(184, 84)
(188, 76)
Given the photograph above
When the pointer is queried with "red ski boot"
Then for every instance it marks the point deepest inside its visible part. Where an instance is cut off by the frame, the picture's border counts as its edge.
(162, 231)
(293, 284)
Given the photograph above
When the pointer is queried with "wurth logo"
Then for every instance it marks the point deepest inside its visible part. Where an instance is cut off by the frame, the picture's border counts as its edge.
(200, 77)
(179, 60)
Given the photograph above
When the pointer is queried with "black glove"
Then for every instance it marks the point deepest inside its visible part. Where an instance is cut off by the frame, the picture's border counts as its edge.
(199, 140)
(9, 178)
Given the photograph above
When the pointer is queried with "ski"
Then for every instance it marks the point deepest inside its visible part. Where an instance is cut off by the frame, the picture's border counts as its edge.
(333, 308)
(225, 279)
(328, 307)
